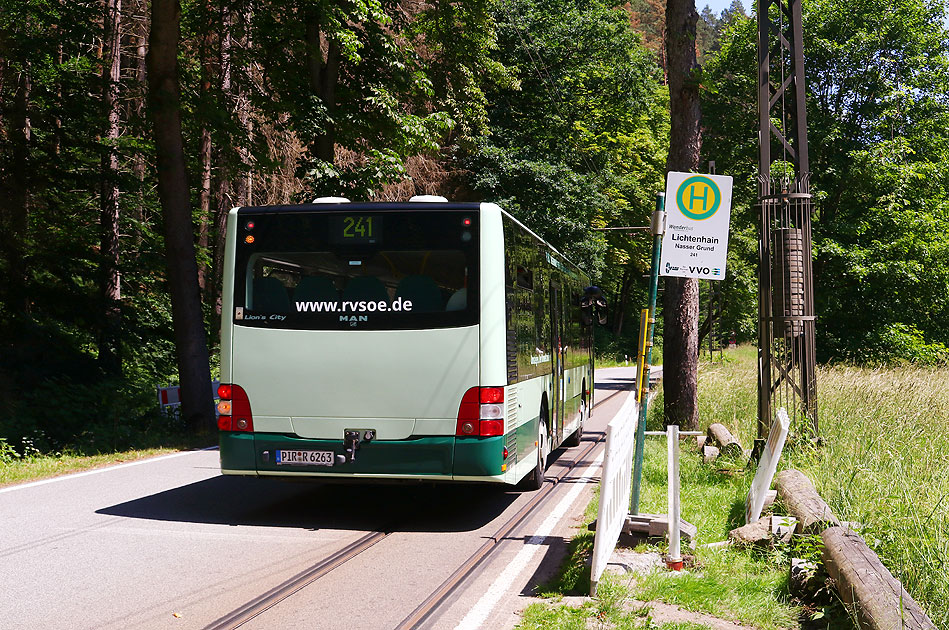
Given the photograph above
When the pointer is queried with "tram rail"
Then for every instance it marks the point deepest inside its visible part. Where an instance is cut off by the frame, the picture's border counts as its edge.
(288, 588)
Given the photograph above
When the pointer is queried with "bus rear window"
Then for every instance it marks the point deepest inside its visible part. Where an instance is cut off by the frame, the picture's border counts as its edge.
(297, 273)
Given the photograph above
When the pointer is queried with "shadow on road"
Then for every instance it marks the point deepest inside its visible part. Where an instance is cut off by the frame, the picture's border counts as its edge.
(272, 503)
(615, 386)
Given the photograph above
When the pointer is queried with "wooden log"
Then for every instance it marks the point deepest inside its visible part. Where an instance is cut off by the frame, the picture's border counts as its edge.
(718, 434)
(878, 598)
(802, 501)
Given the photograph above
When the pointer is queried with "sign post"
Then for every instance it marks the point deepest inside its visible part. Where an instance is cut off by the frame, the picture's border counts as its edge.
(690, 239)
(658, 221)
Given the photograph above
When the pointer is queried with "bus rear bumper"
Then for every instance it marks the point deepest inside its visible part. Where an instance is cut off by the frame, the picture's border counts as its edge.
(434, 458)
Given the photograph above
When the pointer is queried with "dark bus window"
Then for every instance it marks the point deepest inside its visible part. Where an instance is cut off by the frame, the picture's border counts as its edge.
(418, 271)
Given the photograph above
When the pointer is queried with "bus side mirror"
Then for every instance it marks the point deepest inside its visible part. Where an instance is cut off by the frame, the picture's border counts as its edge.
(593, 306)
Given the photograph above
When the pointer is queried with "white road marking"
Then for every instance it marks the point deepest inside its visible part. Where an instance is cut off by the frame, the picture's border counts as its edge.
(96, 471)
(479, 613)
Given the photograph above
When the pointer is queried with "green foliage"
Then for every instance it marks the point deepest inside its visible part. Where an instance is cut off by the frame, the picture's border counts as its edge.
(99, 417)
(406, 80)
(375, 111)
(577, 136)
(8, 454)
(709, 28)
(574, 575)
(460, 39)
(878, 123)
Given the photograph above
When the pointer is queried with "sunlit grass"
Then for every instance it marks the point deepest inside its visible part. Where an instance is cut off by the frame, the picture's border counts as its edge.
(729, 584)
(34, 468)
(884, 462)
(744, 587)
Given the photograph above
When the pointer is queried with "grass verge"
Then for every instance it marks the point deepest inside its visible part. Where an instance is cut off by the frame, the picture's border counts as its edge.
(750, 588)
(15, 469)
(884, 462)
(45, 466)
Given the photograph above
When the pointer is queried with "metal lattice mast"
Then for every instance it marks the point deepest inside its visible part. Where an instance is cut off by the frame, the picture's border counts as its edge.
(786, 350)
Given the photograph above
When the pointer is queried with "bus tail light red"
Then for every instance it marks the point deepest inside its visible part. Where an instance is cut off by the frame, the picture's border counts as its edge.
(481, 413)
(234, 409)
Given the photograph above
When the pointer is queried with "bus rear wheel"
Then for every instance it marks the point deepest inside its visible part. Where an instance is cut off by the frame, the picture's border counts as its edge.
(535, 479)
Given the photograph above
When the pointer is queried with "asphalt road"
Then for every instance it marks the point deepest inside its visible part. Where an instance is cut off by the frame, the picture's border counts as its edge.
(170, 543)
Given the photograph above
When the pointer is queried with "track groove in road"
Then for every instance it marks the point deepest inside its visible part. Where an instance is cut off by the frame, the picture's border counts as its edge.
(271, 598)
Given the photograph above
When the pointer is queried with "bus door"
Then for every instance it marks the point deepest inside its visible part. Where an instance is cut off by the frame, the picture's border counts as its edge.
(557, 354)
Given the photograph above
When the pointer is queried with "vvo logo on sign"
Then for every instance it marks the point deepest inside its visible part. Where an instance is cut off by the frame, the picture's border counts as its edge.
(698, 209)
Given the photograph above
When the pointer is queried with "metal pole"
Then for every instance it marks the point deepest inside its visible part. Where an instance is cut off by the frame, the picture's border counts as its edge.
(642, 383)
(658, 227)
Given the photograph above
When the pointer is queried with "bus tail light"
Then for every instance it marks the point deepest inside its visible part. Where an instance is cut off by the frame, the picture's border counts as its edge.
(234, 409)
(481, 412)
(491, 395)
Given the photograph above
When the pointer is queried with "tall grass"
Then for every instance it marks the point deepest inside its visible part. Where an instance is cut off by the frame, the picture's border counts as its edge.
(884, 462)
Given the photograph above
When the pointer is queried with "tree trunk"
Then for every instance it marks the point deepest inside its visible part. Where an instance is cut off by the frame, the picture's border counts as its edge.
(57, 120)
(244, 186)
(324, 74)
(164, 96)
(204, 153)
(233, 189)
(111, 283)
(138, 162)
(224, 188)
(680, 350)
(619, 308)
(15, 198)
(204, 204)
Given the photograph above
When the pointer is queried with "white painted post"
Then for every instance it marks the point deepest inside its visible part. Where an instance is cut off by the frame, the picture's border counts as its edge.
(767, 466)
(672, 443)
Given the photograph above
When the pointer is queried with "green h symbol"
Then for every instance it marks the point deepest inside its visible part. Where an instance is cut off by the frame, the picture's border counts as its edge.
(693, 197)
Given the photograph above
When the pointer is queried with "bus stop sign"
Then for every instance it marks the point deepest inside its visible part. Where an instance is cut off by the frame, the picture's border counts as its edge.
(698, 209)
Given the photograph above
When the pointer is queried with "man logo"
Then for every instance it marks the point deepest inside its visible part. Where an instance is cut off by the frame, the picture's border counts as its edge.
(698, 197)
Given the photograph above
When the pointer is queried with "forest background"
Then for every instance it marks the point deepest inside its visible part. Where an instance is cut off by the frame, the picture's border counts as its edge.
(555, 109)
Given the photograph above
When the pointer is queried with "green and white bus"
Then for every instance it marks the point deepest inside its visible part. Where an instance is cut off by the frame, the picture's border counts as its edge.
(425, 340)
